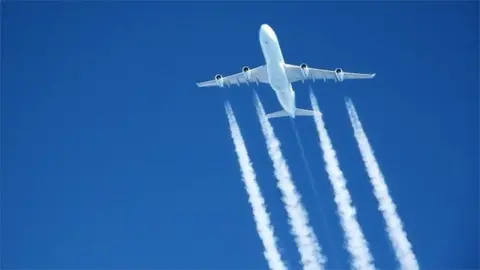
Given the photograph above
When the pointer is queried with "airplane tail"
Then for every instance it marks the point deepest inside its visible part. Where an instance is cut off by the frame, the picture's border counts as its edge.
(298, 112)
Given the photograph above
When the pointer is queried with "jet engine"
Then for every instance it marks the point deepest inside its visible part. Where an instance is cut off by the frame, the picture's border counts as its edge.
(339, 74)
(304, 69)
(247, 73)
(219, 80)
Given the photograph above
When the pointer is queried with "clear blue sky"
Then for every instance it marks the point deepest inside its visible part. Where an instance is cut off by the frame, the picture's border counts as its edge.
(113, 158)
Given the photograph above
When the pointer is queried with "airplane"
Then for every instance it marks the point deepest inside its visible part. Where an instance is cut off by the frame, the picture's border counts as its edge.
(281, 75)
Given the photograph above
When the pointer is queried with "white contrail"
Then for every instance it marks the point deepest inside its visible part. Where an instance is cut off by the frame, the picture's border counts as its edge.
(394, 226)
(355, 240)
(305, 238)
(264, 228)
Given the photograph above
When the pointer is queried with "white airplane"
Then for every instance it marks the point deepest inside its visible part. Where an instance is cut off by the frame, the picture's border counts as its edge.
(280, 75)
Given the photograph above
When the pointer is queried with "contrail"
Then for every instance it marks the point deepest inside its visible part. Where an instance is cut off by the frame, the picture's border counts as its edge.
(394, 226)
(262, 220)
(355, 240)
(305, 238)
(312, 183)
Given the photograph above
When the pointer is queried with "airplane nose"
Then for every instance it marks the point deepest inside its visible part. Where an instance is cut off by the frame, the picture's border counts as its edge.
(265, 27)
(266, 33)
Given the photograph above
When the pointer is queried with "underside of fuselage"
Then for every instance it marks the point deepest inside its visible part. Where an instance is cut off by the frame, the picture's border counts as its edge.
(287, 101)
(283, 89)
(275, 66)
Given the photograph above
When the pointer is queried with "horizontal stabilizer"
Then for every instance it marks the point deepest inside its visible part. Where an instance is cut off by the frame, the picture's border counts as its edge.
(302, 112)
(277, 114)
(298, 112)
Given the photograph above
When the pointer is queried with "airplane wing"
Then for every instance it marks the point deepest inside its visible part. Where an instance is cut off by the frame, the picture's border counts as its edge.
(302, 72)
(247, 76)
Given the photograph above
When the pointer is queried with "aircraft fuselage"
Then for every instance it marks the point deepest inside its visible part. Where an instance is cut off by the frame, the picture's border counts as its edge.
(275, 65)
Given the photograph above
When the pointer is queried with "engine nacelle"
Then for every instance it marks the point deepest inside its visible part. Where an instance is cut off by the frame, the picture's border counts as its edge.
(247, 73)
(219, 80)
(339, 74)
(304, 69)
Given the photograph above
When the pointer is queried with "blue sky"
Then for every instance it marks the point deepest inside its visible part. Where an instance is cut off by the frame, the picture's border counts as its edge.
(113, 158)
